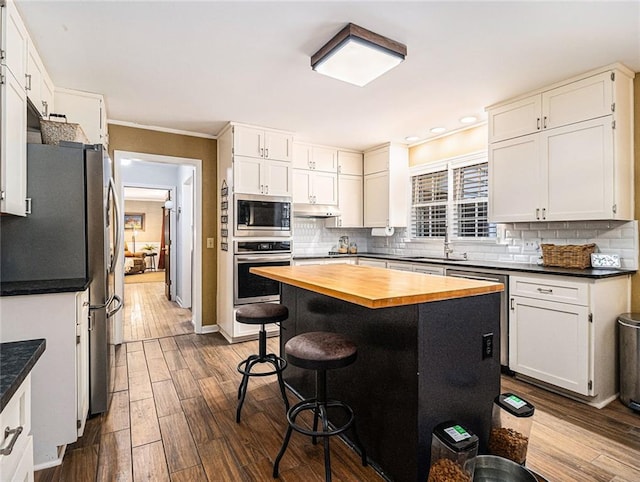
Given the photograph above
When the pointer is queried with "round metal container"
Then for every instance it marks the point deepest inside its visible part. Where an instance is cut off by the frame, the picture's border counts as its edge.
(490, 468)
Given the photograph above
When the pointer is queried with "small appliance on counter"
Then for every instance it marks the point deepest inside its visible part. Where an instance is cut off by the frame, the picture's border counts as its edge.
(453, 453)
(511, 422)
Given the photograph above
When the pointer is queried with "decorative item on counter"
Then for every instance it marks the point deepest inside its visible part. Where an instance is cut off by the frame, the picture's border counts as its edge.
(453, 453)
(568, 255)
(510, 427)
(353, 248)
(599, 260)
(343, 245)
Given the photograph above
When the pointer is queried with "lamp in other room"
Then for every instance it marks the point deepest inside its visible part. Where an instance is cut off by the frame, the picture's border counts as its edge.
(358, 56)
(168, 204)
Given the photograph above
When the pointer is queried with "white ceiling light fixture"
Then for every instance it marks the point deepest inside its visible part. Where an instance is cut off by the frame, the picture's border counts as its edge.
(411, 138)
(468, 119)
(358, 56)
(437, 130)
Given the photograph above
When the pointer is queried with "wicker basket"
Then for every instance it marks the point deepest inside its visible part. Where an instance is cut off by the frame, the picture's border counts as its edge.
(568, 255)
(55, 131)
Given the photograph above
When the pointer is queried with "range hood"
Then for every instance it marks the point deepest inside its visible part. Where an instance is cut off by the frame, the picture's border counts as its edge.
(301, 210)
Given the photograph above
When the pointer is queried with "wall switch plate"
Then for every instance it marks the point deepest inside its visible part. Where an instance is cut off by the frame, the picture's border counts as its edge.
(210, 243)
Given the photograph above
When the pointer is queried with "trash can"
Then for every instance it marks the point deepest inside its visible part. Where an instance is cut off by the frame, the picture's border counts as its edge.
(629, 342)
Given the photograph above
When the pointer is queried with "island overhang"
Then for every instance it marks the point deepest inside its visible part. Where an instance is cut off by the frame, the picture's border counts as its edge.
(376, 287)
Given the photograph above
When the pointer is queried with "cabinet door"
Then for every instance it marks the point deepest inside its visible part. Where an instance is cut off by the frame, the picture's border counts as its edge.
(278, 146)
(376, 200)
(13, 144)
(324, 159)
(514, 179)
(350, 201)
(47, 95)
(302, 186)
(400, 266)
(350, 163)
(247, 175)
(277, 178)
(248, 141)
(429, 270)
(82, 357)
(85, 109)
(14, 42)
(578, 101)
(325, 188)
(578, 171)
(301, 158)
(515, 119)
(550, 342)
(34, 77)
(376, 161)
(376, 263)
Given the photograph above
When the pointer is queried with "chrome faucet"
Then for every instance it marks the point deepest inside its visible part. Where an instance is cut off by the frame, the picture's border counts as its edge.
(448, 249)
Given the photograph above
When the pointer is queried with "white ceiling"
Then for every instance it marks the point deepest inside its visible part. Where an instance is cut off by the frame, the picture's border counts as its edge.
(194, 66)
(145, 194)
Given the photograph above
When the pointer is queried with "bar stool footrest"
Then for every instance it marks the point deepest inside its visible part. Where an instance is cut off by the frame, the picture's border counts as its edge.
(279, 365)
(311, 404)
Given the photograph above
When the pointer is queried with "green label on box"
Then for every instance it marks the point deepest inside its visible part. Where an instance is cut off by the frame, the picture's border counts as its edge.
(515, 402)
(457, 433)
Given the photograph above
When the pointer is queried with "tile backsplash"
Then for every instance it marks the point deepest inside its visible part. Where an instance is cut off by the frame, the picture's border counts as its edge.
(516, 242)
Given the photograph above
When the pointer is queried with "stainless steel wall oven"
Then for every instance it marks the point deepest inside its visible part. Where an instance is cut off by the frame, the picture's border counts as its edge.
(251, 288)
(262, 216)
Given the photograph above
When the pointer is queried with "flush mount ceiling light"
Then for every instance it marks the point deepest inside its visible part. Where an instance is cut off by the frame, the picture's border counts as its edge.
(411, 138)
(437, 130)
(358, 56)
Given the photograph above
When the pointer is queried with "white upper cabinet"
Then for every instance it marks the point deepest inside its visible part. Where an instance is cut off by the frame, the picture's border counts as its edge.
(350, 192)
(262, 143)
(386, 184)
(40, 88)
(86, 109)
(15, 40)
(573, 102)
(311, 187)
(315, 158)
(261, 176)
(571, 160)
(13, 111)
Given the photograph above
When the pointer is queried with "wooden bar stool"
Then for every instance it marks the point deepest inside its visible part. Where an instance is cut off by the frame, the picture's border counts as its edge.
(320, 351)
(261, 314)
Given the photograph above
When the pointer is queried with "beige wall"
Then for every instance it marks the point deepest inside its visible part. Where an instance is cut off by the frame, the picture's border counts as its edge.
(635, 279)
(458, 144)
(152, 231)
(123, 138)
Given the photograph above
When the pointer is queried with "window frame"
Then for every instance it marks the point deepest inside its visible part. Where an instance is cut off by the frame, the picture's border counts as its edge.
(448, 165)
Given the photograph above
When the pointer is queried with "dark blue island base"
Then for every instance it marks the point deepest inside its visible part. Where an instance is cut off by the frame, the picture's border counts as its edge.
(418, 365)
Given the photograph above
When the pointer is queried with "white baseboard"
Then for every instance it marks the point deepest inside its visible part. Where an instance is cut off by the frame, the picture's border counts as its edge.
(210, 329)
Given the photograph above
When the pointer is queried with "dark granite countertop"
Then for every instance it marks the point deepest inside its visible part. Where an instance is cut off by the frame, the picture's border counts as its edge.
(40, 287)
(17, 358)
(490, 265)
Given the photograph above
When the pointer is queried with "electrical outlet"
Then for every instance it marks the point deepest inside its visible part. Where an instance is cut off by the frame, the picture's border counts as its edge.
(210, 243)
(530, 246)
(487, 345)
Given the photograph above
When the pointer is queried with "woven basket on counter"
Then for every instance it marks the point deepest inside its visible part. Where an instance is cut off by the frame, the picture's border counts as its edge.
(55, 131)
(567, 255)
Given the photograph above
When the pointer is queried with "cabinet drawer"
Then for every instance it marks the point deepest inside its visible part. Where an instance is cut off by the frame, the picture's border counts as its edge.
(574, 292)
(16, 414)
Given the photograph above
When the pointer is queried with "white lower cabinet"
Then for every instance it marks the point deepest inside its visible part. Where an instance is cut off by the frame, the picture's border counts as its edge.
(376, 263)
(562, 332)
(316, 261)
(60, 382)
(18, 464)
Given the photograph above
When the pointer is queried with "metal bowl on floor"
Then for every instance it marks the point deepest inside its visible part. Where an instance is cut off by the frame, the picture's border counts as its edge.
(490, 468)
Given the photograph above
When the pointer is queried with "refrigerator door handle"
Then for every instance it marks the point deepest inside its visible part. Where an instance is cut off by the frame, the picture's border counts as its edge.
(112, 312)
(116, 216)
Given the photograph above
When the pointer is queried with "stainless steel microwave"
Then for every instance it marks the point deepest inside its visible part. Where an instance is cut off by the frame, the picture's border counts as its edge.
(262, 216)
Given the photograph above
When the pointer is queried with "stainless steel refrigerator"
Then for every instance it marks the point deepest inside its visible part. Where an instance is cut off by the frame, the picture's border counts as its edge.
(71, 232)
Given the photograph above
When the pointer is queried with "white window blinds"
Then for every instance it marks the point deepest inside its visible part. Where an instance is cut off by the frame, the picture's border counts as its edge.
(453, 199)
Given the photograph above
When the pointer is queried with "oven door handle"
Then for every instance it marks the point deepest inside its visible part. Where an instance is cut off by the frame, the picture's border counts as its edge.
(245, 259)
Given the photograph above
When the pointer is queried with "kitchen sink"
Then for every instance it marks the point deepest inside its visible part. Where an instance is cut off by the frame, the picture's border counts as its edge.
(435, 258)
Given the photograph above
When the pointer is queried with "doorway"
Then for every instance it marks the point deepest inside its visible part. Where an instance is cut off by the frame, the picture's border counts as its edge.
(179, 181)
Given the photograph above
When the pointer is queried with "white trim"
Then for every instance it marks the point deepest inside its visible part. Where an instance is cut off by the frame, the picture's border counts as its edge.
(452, 162)
(160, 129)
(196, 293)
(209, 329)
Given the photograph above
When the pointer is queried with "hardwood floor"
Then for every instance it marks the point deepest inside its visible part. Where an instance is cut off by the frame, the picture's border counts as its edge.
(172, 418)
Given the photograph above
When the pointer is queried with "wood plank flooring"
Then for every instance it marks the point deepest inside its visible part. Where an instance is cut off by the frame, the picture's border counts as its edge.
(172, 418)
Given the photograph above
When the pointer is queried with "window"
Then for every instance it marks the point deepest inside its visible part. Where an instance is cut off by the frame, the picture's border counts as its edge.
(453, 197)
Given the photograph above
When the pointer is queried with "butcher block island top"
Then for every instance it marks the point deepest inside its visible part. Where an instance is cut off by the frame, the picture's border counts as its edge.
(376, 287)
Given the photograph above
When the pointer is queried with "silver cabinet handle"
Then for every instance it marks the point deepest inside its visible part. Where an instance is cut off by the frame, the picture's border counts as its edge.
(537, 213)
(547, 291)
(15, 433)
(538, 123)
(45, 105)
(266, 189)
(261, 188)
(512, 307)
(266, 152)
(28, 77)
(544, 213)
(544, 123)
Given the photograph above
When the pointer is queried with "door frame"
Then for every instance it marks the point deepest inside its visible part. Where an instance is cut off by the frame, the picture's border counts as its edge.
(196, 291)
